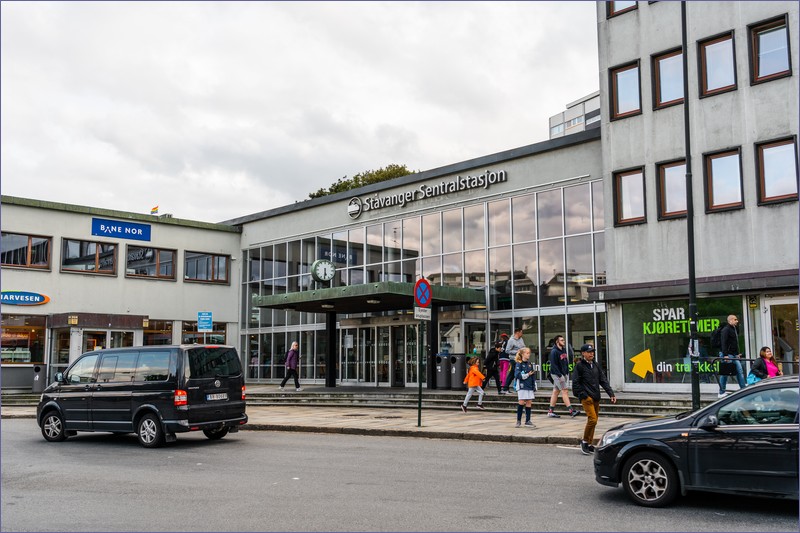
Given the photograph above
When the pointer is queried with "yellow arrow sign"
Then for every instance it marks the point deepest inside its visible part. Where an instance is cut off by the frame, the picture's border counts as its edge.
(642, 364)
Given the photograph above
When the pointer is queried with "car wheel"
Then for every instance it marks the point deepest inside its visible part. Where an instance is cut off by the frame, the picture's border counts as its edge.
(650, 479)
(53, 427)
(216, 433)
(149, 431)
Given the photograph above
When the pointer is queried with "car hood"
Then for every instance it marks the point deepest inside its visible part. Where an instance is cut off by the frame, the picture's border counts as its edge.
(655, 422)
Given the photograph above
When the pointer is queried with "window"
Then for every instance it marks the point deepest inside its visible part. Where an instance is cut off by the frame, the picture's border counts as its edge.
(575, 121)
(777, 171)
(723, 181)
(117, 367)
(153, 366)
(555, 130)
(616, 8)
(717, 65)
(27, 251)
(150, 263)
(769, 51)
(158, 332)
(83, 370)
(88, 256)
(629, 206)
(667, 79)
(625, 98)
(767, 406)
(206, 267)
(671, 190)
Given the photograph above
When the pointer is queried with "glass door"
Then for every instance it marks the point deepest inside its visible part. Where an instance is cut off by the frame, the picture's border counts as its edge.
(367, 354)
(93, 340)
(398, 355)
(349, 351)
(412, 352)
(121, 339)
(781, 332)
(383, 348)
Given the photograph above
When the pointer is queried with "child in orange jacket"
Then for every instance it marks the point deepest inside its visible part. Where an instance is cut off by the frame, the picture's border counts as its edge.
(474, 380)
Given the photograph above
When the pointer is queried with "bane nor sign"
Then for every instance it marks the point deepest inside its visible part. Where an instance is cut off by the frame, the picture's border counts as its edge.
(123, 230)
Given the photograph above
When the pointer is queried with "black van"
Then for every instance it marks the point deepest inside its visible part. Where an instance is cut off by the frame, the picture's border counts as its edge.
(153, 391)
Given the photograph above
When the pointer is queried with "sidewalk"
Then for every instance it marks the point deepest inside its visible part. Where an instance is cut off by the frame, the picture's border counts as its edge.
(441, 424)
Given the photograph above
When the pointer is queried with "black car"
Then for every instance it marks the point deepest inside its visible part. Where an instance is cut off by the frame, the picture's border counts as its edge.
(744, 443)
(153, 391)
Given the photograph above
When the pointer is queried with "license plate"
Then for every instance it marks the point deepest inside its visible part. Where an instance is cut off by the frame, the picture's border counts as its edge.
(217, 396)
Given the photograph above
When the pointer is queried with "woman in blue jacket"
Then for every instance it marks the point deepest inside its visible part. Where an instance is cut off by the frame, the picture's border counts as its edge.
(523, 373)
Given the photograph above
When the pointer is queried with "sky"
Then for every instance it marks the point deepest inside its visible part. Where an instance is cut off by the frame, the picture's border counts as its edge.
(216, 110)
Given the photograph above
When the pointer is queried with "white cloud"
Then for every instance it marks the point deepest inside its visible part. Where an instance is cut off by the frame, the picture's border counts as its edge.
(215, 110)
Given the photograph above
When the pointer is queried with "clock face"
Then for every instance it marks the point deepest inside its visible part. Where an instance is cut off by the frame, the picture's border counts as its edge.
(323, 270)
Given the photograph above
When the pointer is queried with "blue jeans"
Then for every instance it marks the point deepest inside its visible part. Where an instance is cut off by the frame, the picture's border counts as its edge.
(723, 380)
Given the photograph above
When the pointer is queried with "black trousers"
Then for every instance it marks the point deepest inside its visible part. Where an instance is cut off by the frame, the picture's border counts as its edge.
(291, 372)
(493, 373)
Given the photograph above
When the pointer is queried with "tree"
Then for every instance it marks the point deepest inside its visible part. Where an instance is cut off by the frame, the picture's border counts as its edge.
(367, 177)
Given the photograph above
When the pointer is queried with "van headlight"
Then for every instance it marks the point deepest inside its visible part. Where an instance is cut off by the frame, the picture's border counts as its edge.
(610, 437)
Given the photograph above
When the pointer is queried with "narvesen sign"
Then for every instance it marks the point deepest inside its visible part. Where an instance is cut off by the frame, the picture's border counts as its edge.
(356, 206)
(23, 298)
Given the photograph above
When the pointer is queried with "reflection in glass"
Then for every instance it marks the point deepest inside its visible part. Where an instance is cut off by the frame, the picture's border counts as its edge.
(525, 285)
(579, 268)
(523, 218)
(598, 206)
(473, 227)
(779, 170)
(500, 278)
(355, 256)
(580, 331)
(374, 244)
(725, 180)
(719, 64)
(673, 187)
(551, 272)
(577, 213)
(600, 258)
(411, 271)
(670, 78)
(548, 205)
(475, 269)
(432, 234)
(773, 56)
(309, 255)
(391, 272)
(499, 226)
(392, 239)
(453, 270)
(339, 253)
(411, 237)
(451, 230)
(631, 192)
(551, 327)
(432, 269)
(627, 90)
(293, 258)
(253, 259)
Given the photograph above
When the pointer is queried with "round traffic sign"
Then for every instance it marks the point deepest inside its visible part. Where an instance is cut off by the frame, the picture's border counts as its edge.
(423, 293)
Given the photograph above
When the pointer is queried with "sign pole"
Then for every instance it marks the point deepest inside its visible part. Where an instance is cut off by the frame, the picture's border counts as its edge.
(423, 296)
(420, 336)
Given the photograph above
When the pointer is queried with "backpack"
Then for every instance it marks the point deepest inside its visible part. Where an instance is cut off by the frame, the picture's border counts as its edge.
(716, 337)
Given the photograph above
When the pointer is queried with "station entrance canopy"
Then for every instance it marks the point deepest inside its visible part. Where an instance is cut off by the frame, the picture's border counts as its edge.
(367, 298)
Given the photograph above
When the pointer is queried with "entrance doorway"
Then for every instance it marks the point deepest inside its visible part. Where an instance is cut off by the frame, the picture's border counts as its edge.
(378, 355)
(781, 332)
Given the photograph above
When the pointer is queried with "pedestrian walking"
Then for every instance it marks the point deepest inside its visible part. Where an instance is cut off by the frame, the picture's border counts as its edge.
(587, 379)
(513, 345)
(729, 351)
(490, 366)
(291, 364)
(526, 385)
(473, 380)
(559, 371)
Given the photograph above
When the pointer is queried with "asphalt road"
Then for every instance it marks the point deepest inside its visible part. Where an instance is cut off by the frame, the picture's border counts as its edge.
(276, 481)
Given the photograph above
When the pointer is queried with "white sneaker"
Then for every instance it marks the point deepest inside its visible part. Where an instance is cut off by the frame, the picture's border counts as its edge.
(722, 394)
(280, 388)
(298, 389)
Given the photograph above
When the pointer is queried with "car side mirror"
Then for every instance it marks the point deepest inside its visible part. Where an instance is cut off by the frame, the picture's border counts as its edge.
(59, 377)
(709, 423)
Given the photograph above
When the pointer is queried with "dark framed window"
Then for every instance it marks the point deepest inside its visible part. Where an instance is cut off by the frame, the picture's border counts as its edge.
(29, 251)
(668, 79)
(723, 180)
(769, 50)
(144, 262)
(717, 65)
(776, 171)
(617, 8)
(88, 257)
(671, 189)
(205, 267)
(629, 197)
(625, 95)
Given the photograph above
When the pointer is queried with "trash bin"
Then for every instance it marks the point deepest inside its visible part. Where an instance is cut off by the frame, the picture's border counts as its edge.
(442, 371)
(39, 380)
(458, 371)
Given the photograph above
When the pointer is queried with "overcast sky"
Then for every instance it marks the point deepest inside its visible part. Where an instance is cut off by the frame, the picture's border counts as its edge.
(216, 110)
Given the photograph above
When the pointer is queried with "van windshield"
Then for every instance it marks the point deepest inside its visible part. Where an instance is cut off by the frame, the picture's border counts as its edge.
(213, 362)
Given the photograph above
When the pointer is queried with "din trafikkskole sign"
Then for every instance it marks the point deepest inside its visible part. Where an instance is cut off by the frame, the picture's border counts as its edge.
(357, 205)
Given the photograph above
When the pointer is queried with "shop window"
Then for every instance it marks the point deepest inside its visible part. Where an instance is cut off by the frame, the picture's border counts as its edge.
(617, 8)
(668, 79)
(777, 171)
(157, 332)
(769, 50)
(717, 65)
(29, 251)
(210, 268)
(150, 263)
(723, 183)
(625, 95)
(23, 338)
(190, 335)
(629, 204)
(88, 257)
(671, 190)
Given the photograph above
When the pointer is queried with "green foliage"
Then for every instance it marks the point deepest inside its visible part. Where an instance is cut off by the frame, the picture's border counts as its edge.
(367, 177)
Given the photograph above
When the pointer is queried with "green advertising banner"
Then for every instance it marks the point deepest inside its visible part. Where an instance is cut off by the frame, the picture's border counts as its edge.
(656, 338)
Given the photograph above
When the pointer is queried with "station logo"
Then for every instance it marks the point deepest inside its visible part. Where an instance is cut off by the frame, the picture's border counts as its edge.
(355, 208)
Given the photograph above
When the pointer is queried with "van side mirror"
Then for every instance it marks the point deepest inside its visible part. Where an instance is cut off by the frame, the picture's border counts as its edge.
(709, 423)
(60, 377)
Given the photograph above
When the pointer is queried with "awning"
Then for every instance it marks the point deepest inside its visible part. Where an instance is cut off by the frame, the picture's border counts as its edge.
(366, 298)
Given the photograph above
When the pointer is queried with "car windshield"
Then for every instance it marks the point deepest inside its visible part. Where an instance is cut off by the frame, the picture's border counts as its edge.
(213, 362)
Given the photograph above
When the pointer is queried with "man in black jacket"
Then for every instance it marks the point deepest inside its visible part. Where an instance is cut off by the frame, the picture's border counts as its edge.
(587, 379)
(490, 366)
(729, 350)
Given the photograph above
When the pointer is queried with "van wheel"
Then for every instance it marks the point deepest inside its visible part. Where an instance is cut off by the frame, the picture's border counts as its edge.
(149, 431)
(650, 479)
(53, 427)
(215, 434)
